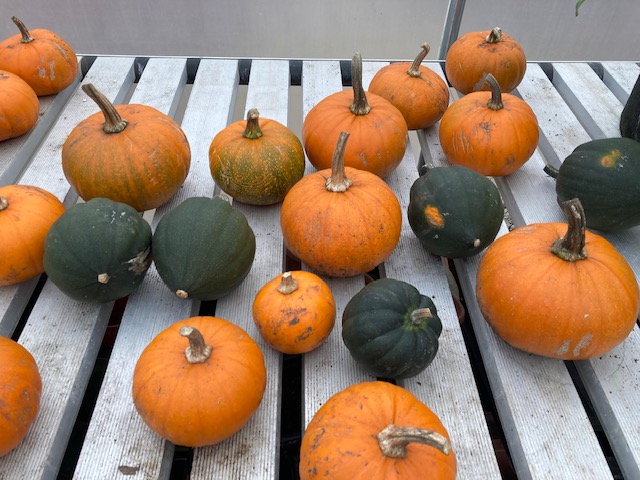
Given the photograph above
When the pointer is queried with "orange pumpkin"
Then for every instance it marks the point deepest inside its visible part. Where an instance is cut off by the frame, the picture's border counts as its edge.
(417, 91)
(205, 393)
(490, 132)
(476, 54)
(26, 215)
(40, 57)
(377, 128)
(20, 388)
(341, 221)
(19, 106)
(557, 290)
(294, 312)
(132, 154)
(376, 431)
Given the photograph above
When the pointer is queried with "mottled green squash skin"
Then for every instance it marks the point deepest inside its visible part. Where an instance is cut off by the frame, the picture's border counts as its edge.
(630, 117)
(98, 251)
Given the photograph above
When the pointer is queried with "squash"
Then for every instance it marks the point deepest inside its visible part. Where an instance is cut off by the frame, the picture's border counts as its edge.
(40, 57)
(378, 129)
(26, 215)
(132, 154)
(20, 389)
(605, 175)
(98, 251)
(294, 312)
(19, 106)
(490, 132)
(391, 329)
(376, 431)
(203, 248)
(476, 54)
(454, 211)
(417, 91)
(630, 116)
(343, 221)
(199, 381)
(558, 290)
(256, 161)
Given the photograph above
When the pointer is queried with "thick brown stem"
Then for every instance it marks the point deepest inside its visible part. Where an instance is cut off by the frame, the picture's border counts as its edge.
(253, 130)
(495, 102)
(288, 284)
(571, 246)
(495, 35)
(393, 440)
(360, 106)
(113, 122)
(338, 182)
(4, 203)
(414, 71)
(197, 351)
(26, 36)
(420, 314)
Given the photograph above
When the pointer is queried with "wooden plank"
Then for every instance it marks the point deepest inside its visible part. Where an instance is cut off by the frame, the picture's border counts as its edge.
(620, 78)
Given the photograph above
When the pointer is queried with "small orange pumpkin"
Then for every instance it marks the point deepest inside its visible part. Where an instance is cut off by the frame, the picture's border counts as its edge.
(558, 290)
(476, 54)
(294, 312)
(20, 389)
(341, 221)
(417, 91)
(26, 215)
(376, 431)
(19, 106)
(40, 57)
(377, 128)
(206, 393)
(490, 132)
(132, 154)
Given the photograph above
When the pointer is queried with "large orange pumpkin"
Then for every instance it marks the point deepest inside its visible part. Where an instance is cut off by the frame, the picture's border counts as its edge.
(40, 57)
(19, 106)
(377, 128)
(201, 389)
(490, 132)
(417, 91)
(132, 154)
(341, 221)
(557, 290)
(376, 431)
(26, 215)
(476, 54)
(20, 388)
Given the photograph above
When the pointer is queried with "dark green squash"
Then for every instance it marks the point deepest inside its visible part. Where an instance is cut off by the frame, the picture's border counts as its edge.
(98, 251)
(391, 329)
(630, 117)
(605, 175)
(454, 211)
(203, 248)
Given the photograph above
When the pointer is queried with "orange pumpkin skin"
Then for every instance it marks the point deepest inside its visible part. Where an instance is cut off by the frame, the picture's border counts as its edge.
(19, 106)
(340, 441)
(198, 404)
(41, 58)
(294, 312)
(475, 54)
(26, 215)
(20, 389)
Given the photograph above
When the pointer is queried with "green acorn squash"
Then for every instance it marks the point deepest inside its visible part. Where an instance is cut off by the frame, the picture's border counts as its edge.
(630, 117)
(203, 248)
(454, 211)
(605, 175)
(98, 251)
(390, 329)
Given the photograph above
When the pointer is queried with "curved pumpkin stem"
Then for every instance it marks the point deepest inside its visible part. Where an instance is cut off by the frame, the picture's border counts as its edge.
(197, 351)
(360, 106)
(338, 182)
(4, 203)
(113, 122)
(414, 71)
(571, 246)
(495, 102)
(418, 315)
(494, 36)
(393, 440)
(252, 131)
(288, 284)
(26, 36)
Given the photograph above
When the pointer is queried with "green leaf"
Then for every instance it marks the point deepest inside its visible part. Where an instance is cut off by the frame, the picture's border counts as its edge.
(580, 2)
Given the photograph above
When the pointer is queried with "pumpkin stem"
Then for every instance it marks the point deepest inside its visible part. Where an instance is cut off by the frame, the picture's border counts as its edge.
(113, 122)
(360, 106)
(338, 182)
(495, 102)
(418, 315)
(571, 246)
(182, 294)
(494, 36)
(414, 71)
(104, 278)
(26, 36)
(552, 171)
(252, 131)
(4, 203)
(393, 440)
(288, 284)
(197, 351)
